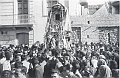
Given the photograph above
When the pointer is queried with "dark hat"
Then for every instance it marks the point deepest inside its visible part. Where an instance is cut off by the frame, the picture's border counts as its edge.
(82, 53)
(113, 64)
(18, 51)
(115, 73)
(35, 60)
(9, 74)
(54, 71)
(66, 54)
(54, 52)
(18, 64)
(8, 55)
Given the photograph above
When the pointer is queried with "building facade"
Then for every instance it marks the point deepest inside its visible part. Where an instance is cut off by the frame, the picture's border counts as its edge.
(15, 22)
(24, 21)
(101, 25)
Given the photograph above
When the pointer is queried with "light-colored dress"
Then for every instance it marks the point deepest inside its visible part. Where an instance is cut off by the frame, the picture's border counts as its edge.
(6, 65)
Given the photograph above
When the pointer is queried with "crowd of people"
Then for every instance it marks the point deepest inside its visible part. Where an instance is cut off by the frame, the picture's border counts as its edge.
(80, 61)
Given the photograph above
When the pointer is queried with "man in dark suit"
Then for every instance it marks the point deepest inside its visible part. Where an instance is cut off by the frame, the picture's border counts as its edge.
(37, 70)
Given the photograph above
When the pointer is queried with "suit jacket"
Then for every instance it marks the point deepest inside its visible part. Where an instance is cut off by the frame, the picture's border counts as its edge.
(37, 72)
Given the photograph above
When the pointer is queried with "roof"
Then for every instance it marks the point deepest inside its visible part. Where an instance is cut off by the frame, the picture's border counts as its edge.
(101, 17)
(115, 3)
(93, 8)
(96, 20)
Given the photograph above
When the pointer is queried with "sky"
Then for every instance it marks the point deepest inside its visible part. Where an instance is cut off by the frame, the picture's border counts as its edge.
(98, 1)
(75, 8)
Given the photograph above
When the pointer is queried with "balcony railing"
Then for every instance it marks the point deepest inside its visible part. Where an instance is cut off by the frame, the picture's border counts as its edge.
(16, 19)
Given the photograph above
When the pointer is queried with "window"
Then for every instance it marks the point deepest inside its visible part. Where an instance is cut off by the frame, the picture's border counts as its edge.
(19, 0)
(51, 3)
(25, 11)
(25, 5)
(57, 17)
(54, 2)
(88, 36)
(46, 6)
(22, 6)
(22, 0)
(19, 5)
(88, 22)
(20, 11)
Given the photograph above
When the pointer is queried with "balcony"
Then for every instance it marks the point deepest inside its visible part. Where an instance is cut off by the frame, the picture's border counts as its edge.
(25, 19)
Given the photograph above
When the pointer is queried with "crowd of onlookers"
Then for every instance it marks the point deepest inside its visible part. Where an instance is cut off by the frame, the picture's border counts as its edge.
(80, 61)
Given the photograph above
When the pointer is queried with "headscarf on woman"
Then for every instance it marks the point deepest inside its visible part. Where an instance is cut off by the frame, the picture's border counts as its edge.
(101, 62)
(105, 71)
(102, 57)
(113, 64)
(94, 61)
(115, 73)
(114, 68)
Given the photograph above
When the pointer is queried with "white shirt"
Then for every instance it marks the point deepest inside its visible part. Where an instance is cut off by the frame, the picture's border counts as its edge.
(78, 73)
(94, 62)
(26, 64)
(2, 60)
(59, 64)
(43, 64)
(6, 65)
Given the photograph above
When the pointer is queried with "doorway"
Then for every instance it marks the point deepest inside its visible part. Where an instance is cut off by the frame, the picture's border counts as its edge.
(23, 38)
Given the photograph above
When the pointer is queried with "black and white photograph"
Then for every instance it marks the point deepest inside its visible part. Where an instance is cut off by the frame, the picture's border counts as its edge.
(59, 38)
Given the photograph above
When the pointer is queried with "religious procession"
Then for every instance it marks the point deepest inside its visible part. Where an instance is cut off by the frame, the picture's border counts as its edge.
(77, 43)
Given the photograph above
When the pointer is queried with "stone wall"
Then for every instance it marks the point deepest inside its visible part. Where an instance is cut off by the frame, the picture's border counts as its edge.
(90, 23)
